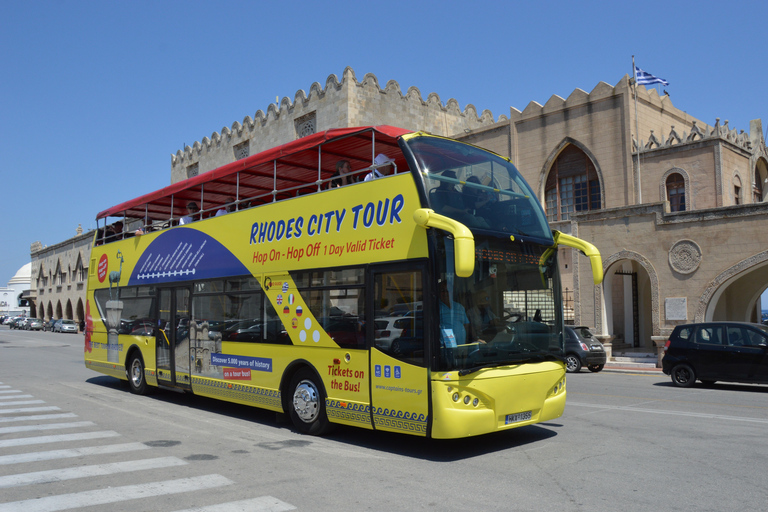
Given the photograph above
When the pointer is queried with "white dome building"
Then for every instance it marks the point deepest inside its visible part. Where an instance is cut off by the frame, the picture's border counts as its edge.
(11, 302)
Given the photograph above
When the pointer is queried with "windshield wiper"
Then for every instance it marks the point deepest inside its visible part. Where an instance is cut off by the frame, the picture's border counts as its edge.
(495, 364)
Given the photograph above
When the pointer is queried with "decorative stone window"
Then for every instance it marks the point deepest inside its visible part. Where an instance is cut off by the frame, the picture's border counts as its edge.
(193, 170)
(306, 125)
(761, 180)
(736, 190)
(572, 185)
(242, 150)
(674, 184)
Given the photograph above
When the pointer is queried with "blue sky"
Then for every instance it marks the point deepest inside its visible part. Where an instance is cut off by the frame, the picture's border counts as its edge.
(96, 95)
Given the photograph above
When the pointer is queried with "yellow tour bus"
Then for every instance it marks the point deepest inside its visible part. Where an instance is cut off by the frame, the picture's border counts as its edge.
(371, 276)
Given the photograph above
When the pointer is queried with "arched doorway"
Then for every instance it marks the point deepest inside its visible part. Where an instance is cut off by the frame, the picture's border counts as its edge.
(735, 293)
(630, 291)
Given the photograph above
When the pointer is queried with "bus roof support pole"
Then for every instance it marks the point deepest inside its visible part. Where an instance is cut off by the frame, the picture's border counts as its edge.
(274, 181)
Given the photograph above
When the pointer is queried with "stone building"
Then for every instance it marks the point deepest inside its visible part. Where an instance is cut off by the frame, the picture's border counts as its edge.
(58, 278)
(679, 213)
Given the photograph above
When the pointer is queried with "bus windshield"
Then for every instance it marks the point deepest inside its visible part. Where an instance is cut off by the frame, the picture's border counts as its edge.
(508, 312)
(478, 188)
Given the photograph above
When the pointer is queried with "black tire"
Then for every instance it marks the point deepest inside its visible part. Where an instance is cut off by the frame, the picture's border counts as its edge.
(572, 363)
(683, 376)
(306, 404)
(594, 368)
(135, 372)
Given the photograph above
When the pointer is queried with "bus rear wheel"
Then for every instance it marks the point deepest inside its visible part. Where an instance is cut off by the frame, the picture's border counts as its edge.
(135, 372)
(307, 406)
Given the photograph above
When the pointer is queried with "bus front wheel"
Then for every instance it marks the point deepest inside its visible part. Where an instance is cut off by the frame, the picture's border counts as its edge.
(135, 371)
(307, 407)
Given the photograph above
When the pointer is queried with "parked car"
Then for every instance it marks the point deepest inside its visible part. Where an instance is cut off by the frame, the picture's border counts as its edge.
(18, 322)
(48, 326)
(712, 351)
(33, 324)
(388, 328)
(582, 349)
(63, 325)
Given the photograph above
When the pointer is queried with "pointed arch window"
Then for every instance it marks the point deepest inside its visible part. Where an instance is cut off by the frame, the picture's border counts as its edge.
(572, 185)
(761, 176)
(676, 192)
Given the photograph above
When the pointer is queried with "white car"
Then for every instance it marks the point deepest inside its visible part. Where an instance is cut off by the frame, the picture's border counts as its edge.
(388, 328)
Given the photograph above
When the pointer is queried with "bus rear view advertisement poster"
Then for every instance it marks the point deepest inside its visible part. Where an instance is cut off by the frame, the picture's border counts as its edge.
(421, 297)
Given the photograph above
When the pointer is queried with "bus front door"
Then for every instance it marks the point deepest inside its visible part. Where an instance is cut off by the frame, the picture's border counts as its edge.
(173, 353)
(399, 361)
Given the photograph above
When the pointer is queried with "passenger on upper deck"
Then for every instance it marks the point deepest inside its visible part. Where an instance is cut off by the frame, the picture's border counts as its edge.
(380, 172)
(446, 198)
(193, 213)
(229, 209)
(342, 175)
(114, 232)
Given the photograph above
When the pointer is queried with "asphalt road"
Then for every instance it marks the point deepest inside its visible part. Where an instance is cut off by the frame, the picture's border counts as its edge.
(71, 439)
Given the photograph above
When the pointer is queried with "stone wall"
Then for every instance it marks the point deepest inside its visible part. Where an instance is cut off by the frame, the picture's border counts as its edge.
(341, 103)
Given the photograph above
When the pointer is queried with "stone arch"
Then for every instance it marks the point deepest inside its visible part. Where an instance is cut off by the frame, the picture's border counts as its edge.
(59, 312)
(649, 309)
(49, 311)
(759, 181)
(550, 161)
(740, 285)
(80, 311)
(68, 311)
(686, 177)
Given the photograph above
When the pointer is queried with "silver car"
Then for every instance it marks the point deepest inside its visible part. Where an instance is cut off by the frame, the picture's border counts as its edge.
(33, 324)
(63, 325)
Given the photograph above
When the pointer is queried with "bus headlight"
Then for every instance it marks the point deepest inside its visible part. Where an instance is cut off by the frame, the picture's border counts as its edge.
(455, 397)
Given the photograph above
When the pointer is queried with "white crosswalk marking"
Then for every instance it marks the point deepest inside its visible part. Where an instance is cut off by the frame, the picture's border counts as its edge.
(57, 439)
(49, 426)
(23, 458)
(22, 402)
(38, 417)
(29, 409)
(262, 504)
(57, 475)
(116, 494)
(153, 469)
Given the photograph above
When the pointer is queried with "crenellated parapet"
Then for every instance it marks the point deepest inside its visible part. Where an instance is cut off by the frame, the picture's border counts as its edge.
(339, 103)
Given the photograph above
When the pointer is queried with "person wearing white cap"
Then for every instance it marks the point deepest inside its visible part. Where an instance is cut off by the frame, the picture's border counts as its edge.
(380, 172)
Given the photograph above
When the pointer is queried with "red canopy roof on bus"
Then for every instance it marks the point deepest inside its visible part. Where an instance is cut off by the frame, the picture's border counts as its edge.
(296, 163)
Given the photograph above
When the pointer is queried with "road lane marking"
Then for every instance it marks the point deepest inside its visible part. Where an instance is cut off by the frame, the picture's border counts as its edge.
(24, 441)
(116, 494)
(260, 504)
(8, 391)
(672, 413)
(13, 397)
(38, 417)
(23, 458)
(58, 475)
(49, 426)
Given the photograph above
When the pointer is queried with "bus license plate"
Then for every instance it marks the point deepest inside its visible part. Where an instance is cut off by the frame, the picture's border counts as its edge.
(520, 416)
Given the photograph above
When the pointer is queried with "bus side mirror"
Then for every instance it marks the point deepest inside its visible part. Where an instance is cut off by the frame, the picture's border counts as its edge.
(585, 248)
(463, 240)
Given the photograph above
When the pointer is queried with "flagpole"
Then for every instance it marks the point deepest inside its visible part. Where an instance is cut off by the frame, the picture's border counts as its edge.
(637, 135)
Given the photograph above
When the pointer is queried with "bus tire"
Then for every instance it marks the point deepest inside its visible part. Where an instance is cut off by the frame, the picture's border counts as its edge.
(135, 372)
(307, 404)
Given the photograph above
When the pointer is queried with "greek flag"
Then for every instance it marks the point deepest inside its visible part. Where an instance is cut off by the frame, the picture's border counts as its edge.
(645, 78)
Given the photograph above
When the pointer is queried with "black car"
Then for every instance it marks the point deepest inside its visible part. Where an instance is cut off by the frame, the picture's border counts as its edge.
(582, 349)
(712, 351)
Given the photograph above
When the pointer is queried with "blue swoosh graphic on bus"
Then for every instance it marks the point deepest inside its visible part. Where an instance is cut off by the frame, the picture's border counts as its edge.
(183, 254)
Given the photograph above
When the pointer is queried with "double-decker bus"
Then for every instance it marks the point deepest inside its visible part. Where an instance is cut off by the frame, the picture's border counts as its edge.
(422, 296)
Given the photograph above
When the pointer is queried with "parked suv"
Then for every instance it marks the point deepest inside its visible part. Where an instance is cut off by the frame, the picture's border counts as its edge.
(727, 351)
(582, 349)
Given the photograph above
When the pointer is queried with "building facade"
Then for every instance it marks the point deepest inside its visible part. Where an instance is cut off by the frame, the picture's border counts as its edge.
(59, 276)
(12, 297)
(678, 212)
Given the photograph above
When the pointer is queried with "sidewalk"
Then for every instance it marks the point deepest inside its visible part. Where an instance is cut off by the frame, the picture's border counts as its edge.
(624, 367)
